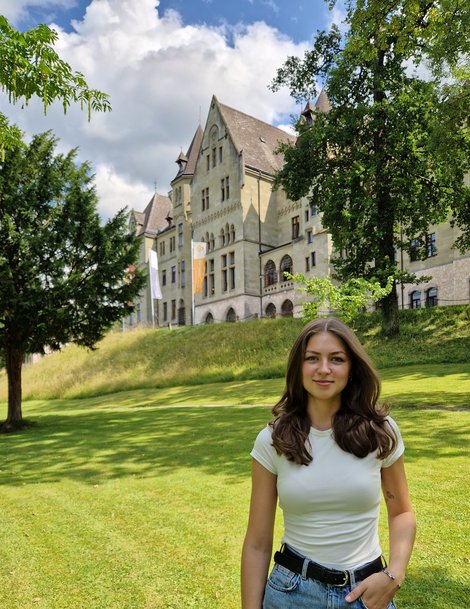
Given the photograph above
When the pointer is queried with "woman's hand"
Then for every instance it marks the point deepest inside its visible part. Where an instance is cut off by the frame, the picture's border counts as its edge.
(376, 591)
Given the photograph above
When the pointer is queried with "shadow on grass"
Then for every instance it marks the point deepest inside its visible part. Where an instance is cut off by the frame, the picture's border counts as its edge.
(420, 400)
(432, 588)
(103, 443)
(433, 434)
(92, 446)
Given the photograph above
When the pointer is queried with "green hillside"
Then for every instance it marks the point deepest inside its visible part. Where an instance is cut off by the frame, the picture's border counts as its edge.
(230, 352)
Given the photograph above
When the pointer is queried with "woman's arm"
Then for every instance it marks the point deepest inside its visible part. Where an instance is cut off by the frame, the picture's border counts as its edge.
(401, 520)
(257, 547)
(378, 590)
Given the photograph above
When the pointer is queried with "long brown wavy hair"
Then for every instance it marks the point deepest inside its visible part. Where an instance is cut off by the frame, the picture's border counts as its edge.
(359, 426)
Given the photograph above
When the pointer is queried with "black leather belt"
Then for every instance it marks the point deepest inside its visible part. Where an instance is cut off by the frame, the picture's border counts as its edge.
(290, 560)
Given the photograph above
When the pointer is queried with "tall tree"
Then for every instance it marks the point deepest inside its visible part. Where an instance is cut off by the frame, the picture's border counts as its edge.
(30, 67)
(64, 276)
(390, 156)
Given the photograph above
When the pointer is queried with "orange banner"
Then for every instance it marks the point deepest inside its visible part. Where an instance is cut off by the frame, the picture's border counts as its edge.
(199, 265)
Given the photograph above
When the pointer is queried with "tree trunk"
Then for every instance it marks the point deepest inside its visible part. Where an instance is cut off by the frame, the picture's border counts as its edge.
(390, 321)
(14, 363)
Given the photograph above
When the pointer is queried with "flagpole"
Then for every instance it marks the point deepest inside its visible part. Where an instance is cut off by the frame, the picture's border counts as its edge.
(153, 311)
(193, 300)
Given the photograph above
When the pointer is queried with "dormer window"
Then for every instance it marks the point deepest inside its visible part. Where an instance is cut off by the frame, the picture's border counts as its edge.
(182, 161)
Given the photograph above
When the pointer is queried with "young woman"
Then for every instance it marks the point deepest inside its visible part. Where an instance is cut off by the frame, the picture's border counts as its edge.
(326, 454)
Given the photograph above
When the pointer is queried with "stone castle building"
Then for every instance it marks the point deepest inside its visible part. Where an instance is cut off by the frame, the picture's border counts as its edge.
(223, 194)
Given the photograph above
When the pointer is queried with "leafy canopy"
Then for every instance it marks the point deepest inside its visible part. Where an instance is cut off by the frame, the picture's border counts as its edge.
(389, 158)
(64, 276)
(30, 67)
(347, 300)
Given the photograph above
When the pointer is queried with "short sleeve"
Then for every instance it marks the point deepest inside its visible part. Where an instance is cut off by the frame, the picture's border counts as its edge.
(264, 451)
(399, 448)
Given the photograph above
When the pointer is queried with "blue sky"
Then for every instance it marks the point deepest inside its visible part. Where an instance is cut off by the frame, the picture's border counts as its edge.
(161, 63)
(297, 19)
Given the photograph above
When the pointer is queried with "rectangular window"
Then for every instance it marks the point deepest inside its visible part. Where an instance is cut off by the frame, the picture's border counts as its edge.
(309, 236)
(211, 286)
(415, 247)
(306, 215)
(232, 270)
(208, 162)
(165, 311)
(431, 249)
(224, 273)
(162, 248)
(163, 277)
(173, 274)
(313, 210)
(178, 196)
(172, 244)
(227, 188)
(183, 273)
(313, 258)
(307, 263)
(205, 198)
(180, 234)
(220, 154)
(222, 189)
(295, 227)
(173, 309)
(214, 157)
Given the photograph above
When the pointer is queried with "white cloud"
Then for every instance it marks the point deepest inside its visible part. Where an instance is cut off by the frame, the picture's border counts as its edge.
(161, 76)
(118, 191)
(337, 16)
(17, 10)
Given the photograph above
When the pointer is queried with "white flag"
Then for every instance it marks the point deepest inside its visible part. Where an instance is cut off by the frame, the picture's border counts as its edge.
(154, 281)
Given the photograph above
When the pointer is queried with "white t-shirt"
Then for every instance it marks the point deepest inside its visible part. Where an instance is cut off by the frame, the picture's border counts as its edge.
(331, 506)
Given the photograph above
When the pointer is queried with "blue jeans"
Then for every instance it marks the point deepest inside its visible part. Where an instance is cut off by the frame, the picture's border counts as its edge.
(288, 590)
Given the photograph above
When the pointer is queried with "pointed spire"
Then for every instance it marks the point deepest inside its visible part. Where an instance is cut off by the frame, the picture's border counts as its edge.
(323, 103)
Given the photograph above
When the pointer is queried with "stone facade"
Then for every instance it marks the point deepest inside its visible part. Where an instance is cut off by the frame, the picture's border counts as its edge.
(223, 195)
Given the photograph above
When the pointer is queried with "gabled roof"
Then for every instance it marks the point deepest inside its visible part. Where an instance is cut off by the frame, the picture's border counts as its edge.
(138, 218)
(258, 140)
(187, 162)
(157, 216)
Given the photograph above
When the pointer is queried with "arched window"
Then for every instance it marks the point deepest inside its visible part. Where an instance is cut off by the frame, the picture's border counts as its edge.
(209, 319)
(232, 232)
(231, 315)
(270, 311)
(207, 240)
(431, 297)
(222, 237)
(270, 274)
(287, 309)
(415, 299)
(285, 267)
(227, 233)
(212, 242)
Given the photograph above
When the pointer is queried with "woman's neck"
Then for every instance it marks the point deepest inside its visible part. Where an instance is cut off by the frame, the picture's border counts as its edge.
(321, 413)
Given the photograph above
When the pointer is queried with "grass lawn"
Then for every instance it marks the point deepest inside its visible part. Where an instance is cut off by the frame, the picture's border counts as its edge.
(139, 500)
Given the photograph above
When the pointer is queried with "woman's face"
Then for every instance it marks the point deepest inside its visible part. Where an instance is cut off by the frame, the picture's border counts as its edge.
(326, 368)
